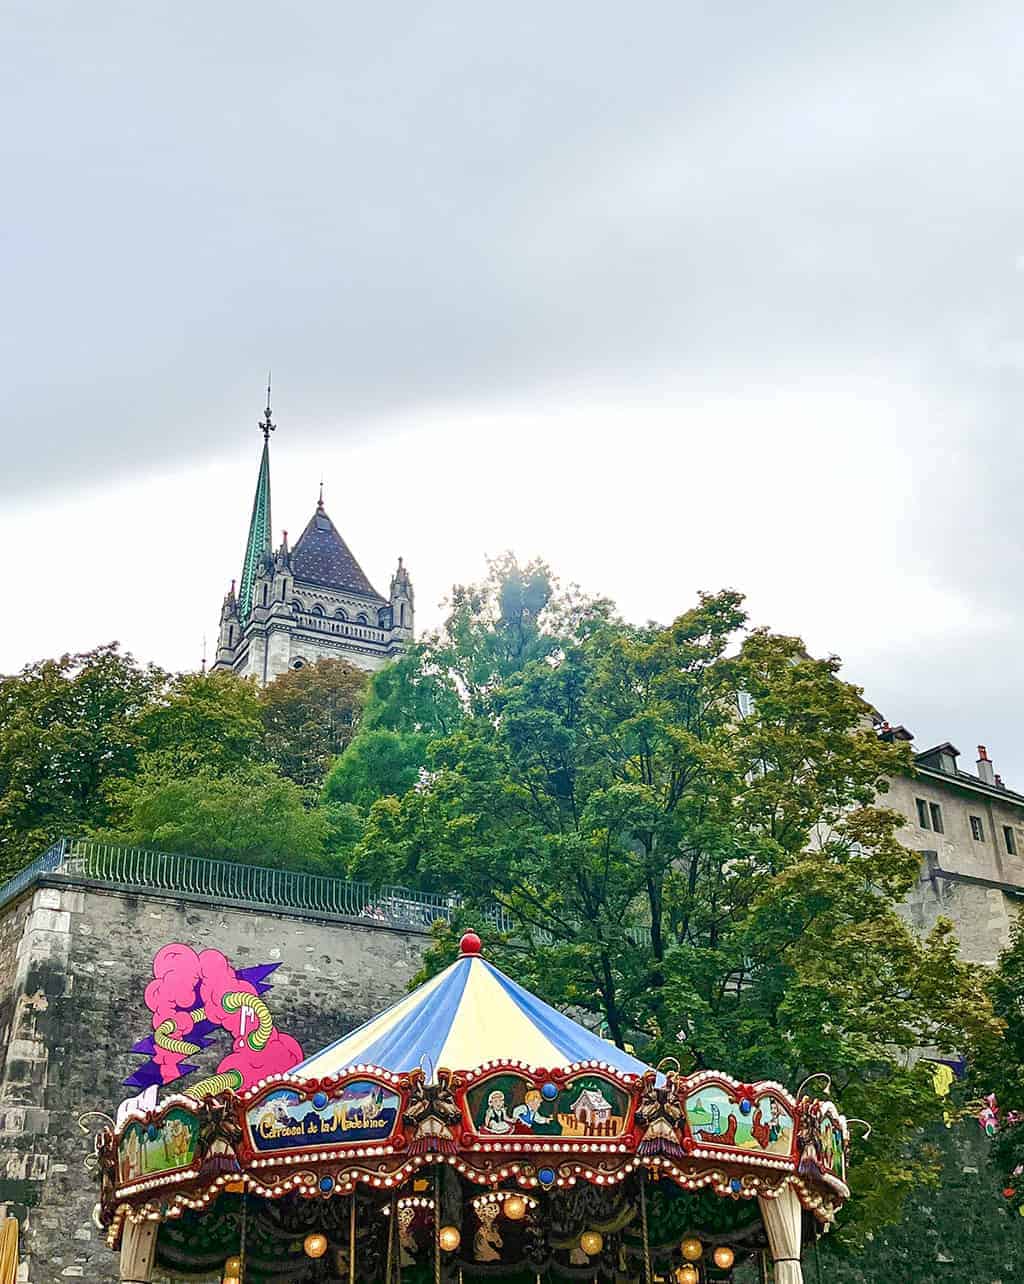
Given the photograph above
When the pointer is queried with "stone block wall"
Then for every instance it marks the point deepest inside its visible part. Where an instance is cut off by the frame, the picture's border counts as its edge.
(74, 962)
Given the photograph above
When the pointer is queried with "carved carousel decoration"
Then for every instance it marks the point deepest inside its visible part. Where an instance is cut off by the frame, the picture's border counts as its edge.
(471, 1131)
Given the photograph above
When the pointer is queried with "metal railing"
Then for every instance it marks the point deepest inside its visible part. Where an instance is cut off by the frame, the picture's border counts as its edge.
(51, 860)
(256, 885)
(224, 880)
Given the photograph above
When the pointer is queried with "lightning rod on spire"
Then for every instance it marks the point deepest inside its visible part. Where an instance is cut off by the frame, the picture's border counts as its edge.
(265, 423)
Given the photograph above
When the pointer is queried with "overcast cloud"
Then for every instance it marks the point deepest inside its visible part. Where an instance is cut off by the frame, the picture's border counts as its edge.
(677, 295)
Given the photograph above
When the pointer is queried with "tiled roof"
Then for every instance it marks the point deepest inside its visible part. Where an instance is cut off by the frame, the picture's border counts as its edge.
(322, 557)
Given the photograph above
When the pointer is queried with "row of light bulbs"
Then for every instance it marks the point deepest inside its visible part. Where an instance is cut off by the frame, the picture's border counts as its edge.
(514, 1207)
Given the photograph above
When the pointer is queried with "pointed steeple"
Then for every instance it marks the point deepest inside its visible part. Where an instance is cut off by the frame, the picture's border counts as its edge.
(258, 545)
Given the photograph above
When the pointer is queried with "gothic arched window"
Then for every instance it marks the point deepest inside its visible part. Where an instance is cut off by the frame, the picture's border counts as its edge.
(318, 609)
(361, 618)
(339, 614)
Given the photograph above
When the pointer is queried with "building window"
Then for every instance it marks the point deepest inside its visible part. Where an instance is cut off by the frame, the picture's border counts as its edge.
(922, 813)
(977, 829)
(936, 812)
(1011, 839)
(231, 635)
(264, 594)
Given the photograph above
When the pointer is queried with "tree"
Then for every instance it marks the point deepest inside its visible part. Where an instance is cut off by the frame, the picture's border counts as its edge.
(250, 814)
(204, 721)
(66, 727)
(309, 715)
(376, 762)
(413, 694)
(682, 822)
(997, 1069)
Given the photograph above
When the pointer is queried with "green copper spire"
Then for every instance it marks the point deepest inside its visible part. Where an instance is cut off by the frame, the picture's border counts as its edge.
(258, 544)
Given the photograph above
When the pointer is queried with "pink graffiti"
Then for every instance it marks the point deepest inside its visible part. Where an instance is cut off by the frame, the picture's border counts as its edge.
(180, 976)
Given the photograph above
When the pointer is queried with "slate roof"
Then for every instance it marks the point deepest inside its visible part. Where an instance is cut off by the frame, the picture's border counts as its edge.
(322, 557)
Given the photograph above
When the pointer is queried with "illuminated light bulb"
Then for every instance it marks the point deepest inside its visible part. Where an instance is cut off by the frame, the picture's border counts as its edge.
(515, 1208)
(231, 1279)
(591, 1242)
(315, 1245)
(233, 1266)
(691, 1249)
(687, 1275)
(724, 1257)
(449, 1237)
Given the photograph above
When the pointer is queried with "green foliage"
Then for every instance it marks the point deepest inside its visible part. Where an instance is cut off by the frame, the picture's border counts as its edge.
(66, 727)
(309, 716)
(413, 694)
(249, 813)
(204, 721)
(997, 1065)
(376, 763)
(682, 822)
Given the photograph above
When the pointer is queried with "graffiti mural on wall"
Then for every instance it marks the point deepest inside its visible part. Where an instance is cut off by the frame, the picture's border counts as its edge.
(196, 997)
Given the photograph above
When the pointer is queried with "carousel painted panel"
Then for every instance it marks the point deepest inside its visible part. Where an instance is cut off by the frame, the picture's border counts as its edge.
(510, 1104)
(358, 1112)
(739, 1117)
(160, 1146)
(822, 1140)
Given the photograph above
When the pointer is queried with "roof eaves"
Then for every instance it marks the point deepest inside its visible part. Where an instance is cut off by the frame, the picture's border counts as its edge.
(967, 781)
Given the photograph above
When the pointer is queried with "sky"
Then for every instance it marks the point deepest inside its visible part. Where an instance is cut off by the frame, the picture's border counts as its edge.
(677, 296)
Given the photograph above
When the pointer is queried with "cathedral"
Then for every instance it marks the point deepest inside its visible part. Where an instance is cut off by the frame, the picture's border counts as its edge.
(295, 605)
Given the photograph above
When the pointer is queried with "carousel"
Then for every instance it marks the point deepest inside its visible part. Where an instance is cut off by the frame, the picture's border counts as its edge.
(471, 1132)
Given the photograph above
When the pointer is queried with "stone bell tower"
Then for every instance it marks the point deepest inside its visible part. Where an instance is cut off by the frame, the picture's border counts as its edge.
(296, 605)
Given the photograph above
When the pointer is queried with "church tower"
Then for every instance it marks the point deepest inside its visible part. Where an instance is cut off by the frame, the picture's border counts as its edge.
(296, 605)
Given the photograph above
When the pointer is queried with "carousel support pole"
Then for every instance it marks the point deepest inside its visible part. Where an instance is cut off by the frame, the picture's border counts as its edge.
(643, 1226)
(241, 1238)
(437, 1227)
(390, 1274)
(762, 1268)
(352, 1238)
(138, 1248)
(782, 1218)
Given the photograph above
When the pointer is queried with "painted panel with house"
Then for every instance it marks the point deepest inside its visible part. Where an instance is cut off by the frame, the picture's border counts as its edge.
(586, 1106)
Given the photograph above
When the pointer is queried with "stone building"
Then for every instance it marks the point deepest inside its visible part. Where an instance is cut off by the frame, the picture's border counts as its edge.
(969, 829)
(296, 605)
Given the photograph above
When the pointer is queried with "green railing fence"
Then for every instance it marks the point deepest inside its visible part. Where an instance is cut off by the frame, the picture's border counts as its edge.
(254, 885)
(136, 867)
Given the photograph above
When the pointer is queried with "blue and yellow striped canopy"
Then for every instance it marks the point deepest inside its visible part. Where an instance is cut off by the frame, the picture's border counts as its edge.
(468, 1014)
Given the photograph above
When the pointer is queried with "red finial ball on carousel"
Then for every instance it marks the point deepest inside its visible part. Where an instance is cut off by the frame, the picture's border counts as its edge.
(470, 943)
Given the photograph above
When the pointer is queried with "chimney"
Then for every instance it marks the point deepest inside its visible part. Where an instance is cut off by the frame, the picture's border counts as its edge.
(986, 771)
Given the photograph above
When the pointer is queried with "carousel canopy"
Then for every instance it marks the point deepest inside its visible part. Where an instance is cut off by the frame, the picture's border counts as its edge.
(466, 1015)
